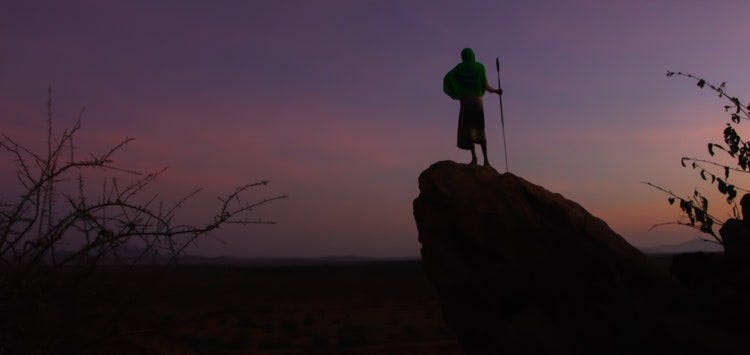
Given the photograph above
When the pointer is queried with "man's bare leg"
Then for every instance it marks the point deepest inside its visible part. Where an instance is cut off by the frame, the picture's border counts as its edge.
(484, 153)
(473, 155)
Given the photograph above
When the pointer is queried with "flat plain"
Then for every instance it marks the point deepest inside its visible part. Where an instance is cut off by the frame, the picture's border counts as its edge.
(385, 307)
(363, 307)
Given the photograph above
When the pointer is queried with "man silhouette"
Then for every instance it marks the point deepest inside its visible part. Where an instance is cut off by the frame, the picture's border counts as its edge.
(736, 234)
(467, 82)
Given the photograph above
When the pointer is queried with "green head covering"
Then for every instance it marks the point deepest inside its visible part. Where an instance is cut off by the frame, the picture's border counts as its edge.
(467, 79)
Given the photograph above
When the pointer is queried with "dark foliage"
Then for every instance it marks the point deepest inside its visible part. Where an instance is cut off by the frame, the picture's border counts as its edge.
(695, 208)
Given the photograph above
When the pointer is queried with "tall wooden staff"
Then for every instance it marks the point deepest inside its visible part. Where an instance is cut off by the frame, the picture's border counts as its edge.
(502, 120)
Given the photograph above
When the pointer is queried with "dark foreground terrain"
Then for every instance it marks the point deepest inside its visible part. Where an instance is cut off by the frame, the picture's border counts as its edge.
(369, 307)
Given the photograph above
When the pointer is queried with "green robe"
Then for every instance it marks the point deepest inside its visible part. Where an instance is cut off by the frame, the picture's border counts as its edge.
(467, 79)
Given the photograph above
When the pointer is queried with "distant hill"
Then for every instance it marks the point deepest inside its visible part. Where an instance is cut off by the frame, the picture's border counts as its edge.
(327, 260)
(690, 246)
(126, 255)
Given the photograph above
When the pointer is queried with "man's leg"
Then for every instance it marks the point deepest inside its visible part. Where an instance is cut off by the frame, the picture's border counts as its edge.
(484, 153)
(473, 155)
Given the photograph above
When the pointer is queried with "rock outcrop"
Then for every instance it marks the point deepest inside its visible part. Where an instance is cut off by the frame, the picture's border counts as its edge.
(520, 269)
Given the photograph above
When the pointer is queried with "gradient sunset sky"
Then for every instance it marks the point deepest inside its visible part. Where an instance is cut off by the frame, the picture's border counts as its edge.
(340, 103)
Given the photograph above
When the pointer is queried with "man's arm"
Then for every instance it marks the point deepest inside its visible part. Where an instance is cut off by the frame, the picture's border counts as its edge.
(491, 89)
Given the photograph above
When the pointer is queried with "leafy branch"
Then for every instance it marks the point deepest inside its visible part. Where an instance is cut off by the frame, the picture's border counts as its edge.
(695, 208)
(739, 110)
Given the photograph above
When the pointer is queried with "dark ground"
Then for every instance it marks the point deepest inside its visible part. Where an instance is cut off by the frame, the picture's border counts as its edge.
(385, 307)
(370, 308)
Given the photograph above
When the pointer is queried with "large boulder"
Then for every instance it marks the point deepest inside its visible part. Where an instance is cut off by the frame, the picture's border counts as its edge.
(520, 269)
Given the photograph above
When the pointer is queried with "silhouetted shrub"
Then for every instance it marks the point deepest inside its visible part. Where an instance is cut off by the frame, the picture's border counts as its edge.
(55, 225)
(695, 207)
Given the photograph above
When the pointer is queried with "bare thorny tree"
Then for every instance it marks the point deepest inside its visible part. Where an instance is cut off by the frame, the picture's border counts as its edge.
(695, 208)
(54, 208)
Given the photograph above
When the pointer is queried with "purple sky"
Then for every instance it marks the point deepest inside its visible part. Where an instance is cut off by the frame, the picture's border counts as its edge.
(340, 104)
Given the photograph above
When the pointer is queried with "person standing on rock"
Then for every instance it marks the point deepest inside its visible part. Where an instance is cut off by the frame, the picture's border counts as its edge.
(735, 234)
(467, 82)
